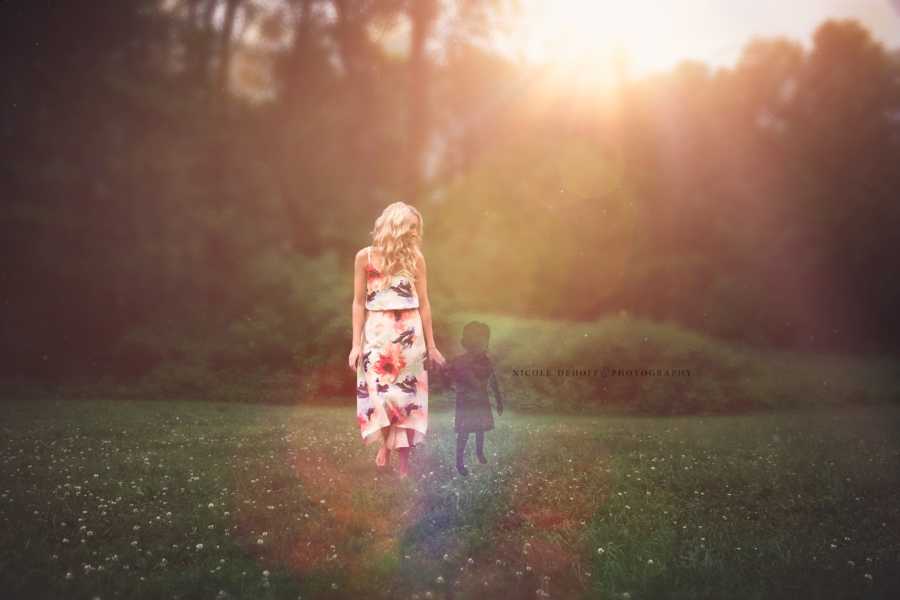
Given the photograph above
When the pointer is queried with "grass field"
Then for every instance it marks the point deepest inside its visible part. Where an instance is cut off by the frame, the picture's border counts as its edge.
(169, 499)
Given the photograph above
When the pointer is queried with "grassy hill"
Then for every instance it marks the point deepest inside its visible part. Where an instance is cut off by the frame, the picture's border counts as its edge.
(629, 366)
(705, 375)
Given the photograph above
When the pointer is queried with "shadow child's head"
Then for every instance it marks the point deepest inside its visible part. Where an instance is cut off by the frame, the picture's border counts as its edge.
(476, 337)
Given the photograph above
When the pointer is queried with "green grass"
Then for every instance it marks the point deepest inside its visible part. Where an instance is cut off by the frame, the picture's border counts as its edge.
(783, 505)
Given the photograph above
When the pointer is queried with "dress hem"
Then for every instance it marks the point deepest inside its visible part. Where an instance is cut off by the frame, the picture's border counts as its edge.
(393, 439)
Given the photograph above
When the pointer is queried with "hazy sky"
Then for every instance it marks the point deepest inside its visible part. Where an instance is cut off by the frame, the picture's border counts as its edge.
(658, 33)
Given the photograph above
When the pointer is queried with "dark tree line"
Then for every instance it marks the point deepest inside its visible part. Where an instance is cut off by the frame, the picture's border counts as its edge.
(155, 213)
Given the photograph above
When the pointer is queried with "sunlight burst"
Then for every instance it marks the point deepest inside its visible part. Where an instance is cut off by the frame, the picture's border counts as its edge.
(588, 39)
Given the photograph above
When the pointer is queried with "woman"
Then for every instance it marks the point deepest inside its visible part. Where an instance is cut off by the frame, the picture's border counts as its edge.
(392, 336)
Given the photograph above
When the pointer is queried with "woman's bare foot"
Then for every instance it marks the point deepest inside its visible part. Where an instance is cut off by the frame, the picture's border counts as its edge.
(381, 457)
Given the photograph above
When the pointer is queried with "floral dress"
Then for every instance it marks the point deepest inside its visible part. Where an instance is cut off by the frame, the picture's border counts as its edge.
(391, 380)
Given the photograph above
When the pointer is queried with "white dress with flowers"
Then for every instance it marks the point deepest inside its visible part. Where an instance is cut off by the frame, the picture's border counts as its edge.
(391, 380)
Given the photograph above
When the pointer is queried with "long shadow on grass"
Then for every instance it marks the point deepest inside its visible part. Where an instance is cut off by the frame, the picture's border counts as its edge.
(512, 527)
(515, 525)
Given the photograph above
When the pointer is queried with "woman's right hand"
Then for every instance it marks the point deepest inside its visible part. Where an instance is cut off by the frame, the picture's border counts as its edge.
(353, 358)
(436, 357)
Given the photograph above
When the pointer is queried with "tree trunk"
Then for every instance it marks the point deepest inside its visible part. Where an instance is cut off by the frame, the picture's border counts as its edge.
(284, 158)
(422, 15)
(203, 52)
(297, 61)
(222, 77)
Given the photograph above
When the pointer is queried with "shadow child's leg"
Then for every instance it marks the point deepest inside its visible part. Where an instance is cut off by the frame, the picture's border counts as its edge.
(461, 439)
(479, 446)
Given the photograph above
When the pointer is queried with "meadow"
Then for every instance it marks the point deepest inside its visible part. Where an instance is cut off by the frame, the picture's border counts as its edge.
(182, 499)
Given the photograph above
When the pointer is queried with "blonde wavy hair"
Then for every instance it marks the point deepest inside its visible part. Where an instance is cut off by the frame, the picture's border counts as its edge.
(396, 241)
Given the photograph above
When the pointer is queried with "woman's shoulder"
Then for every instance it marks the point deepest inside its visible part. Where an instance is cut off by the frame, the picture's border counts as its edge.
(367, 256)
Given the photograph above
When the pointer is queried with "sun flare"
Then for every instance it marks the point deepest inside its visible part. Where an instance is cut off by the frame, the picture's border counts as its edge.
(590, 38)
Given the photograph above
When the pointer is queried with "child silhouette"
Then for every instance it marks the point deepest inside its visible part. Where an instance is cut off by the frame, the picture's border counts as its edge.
(470, 374)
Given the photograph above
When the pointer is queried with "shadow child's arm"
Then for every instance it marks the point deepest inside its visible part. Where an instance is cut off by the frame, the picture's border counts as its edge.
(495, 386)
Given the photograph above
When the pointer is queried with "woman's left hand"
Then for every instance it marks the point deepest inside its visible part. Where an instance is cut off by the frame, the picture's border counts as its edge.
(435, 355)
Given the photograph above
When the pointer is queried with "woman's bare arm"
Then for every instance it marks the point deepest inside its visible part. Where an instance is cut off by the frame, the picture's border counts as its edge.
(425, 311)
(359, 297)
(424, 304)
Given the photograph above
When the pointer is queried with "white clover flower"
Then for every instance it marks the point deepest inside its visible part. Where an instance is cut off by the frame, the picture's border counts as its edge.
(199, 546)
